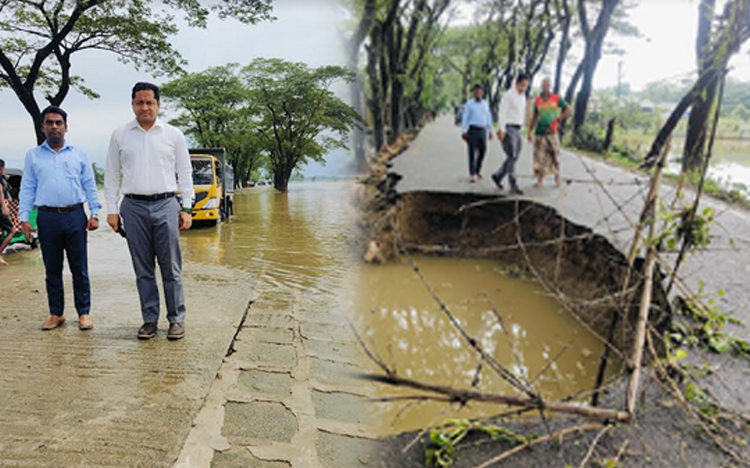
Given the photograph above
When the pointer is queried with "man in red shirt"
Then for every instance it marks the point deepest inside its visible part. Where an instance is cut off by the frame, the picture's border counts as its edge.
(549, 110)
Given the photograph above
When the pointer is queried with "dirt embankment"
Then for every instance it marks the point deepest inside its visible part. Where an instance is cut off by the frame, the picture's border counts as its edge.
(583, 269)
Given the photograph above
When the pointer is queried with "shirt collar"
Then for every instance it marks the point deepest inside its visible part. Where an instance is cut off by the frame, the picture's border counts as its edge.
(135, 125)
(49, 148)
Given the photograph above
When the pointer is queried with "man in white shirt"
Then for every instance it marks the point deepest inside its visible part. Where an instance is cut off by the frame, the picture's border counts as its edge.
(153, 159)
(511, 117)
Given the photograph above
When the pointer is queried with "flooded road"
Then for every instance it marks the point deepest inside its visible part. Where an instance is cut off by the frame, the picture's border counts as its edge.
(104, 399)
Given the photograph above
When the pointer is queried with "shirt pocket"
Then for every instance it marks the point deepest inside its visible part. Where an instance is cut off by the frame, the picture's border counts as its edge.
(72, 168)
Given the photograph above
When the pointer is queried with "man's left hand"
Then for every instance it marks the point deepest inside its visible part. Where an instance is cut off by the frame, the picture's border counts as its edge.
(490, 135)
(93, 224)
(186, 220)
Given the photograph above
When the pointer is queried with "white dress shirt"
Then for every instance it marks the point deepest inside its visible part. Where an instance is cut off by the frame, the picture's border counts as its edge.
(151, 162)
(512, 109)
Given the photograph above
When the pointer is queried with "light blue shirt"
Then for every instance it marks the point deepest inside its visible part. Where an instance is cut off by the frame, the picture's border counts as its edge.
(61, 178)
(476, 113)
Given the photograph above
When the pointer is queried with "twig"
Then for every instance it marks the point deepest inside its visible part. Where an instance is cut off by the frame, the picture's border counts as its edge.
(590, 452)
(557, 436)
(550, 363)
(504, 373)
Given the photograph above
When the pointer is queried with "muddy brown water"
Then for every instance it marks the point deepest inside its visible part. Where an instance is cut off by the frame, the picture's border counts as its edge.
(512, 318)
(294, 250)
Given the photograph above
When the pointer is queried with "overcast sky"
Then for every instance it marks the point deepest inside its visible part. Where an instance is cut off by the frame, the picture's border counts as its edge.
(305, 31)
(310, 31)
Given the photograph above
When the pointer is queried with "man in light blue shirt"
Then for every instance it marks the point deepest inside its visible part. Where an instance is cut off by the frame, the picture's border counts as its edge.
(476, 128)
(58, 179)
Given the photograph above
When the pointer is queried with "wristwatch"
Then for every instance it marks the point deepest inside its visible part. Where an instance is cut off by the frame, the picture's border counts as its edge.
(187, 210)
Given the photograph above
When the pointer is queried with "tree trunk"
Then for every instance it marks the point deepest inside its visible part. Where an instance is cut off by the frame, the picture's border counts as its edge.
(376, 101)
(281, 176)
(610, 135)
(355, 87)
(594, 42)
(565, 19)
(583, 96)
(695, 140)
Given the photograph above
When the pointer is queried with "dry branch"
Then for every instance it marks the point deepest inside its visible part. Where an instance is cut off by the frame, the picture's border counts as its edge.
(465, 396)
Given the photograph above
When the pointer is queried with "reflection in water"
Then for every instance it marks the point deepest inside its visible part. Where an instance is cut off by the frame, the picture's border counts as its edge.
(512, 318)
(299, 240)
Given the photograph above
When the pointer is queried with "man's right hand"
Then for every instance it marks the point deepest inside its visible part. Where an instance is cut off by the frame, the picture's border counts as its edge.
(27, 229)
(465, 136)
(500, 135)
(114, 221)
(530, 137)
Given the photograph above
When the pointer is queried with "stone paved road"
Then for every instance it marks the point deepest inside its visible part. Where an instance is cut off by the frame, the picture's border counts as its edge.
(101, 398)
(437, 162)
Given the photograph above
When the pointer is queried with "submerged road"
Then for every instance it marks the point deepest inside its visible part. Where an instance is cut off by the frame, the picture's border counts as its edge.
(607, 199)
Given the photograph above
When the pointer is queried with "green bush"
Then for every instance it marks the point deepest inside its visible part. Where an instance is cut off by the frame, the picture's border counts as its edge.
(589, 138)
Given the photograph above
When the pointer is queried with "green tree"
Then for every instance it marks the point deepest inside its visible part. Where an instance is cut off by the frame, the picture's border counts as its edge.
(296, 115)
(214, 109)
(98, 174)
(38, 40)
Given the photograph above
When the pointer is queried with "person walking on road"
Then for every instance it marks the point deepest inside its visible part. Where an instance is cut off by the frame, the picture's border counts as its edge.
(152, 158)
(549, 110)
(476, 128)
(58, 179)
(6, 224)
(512, 115)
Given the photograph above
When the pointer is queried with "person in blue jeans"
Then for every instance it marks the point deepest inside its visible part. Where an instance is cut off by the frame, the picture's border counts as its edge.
(476, 128)
(58, 179)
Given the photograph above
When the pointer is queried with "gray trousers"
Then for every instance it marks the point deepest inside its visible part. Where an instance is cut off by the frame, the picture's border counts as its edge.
(152, 229)
(512, 148)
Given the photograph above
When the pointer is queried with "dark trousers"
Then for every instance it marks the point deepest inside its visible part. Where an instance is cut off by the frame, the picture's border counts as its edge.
(512, 148)
(477, 148)
(64, 234)
(153, 235)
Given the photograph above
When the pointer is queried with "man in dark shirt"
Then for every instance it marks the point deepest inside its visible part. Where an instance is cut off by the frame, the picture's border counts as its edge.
(6, 225)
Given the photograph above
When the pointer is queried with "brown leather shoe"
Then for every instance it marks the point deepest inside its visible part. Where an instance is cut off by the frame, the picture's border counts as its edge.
(85, 322)
(52, 322)
(176, 331)
(147, 331)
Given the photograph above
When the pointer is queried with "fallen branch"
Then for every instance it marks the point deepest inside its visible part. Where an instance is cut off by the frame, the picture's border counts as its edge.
(464, 396)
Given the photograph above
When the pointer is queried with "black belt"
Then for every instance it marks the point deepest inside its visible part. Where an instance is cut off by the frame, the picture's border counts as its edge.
(514, 126)
(61, 209)
(476, 127)
(155, 197)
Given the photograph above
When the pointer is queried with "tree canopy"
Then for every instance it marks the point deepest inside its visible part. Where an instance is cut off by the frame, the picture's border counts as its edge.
(38, 40)
(269, 113)
(297, 116)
